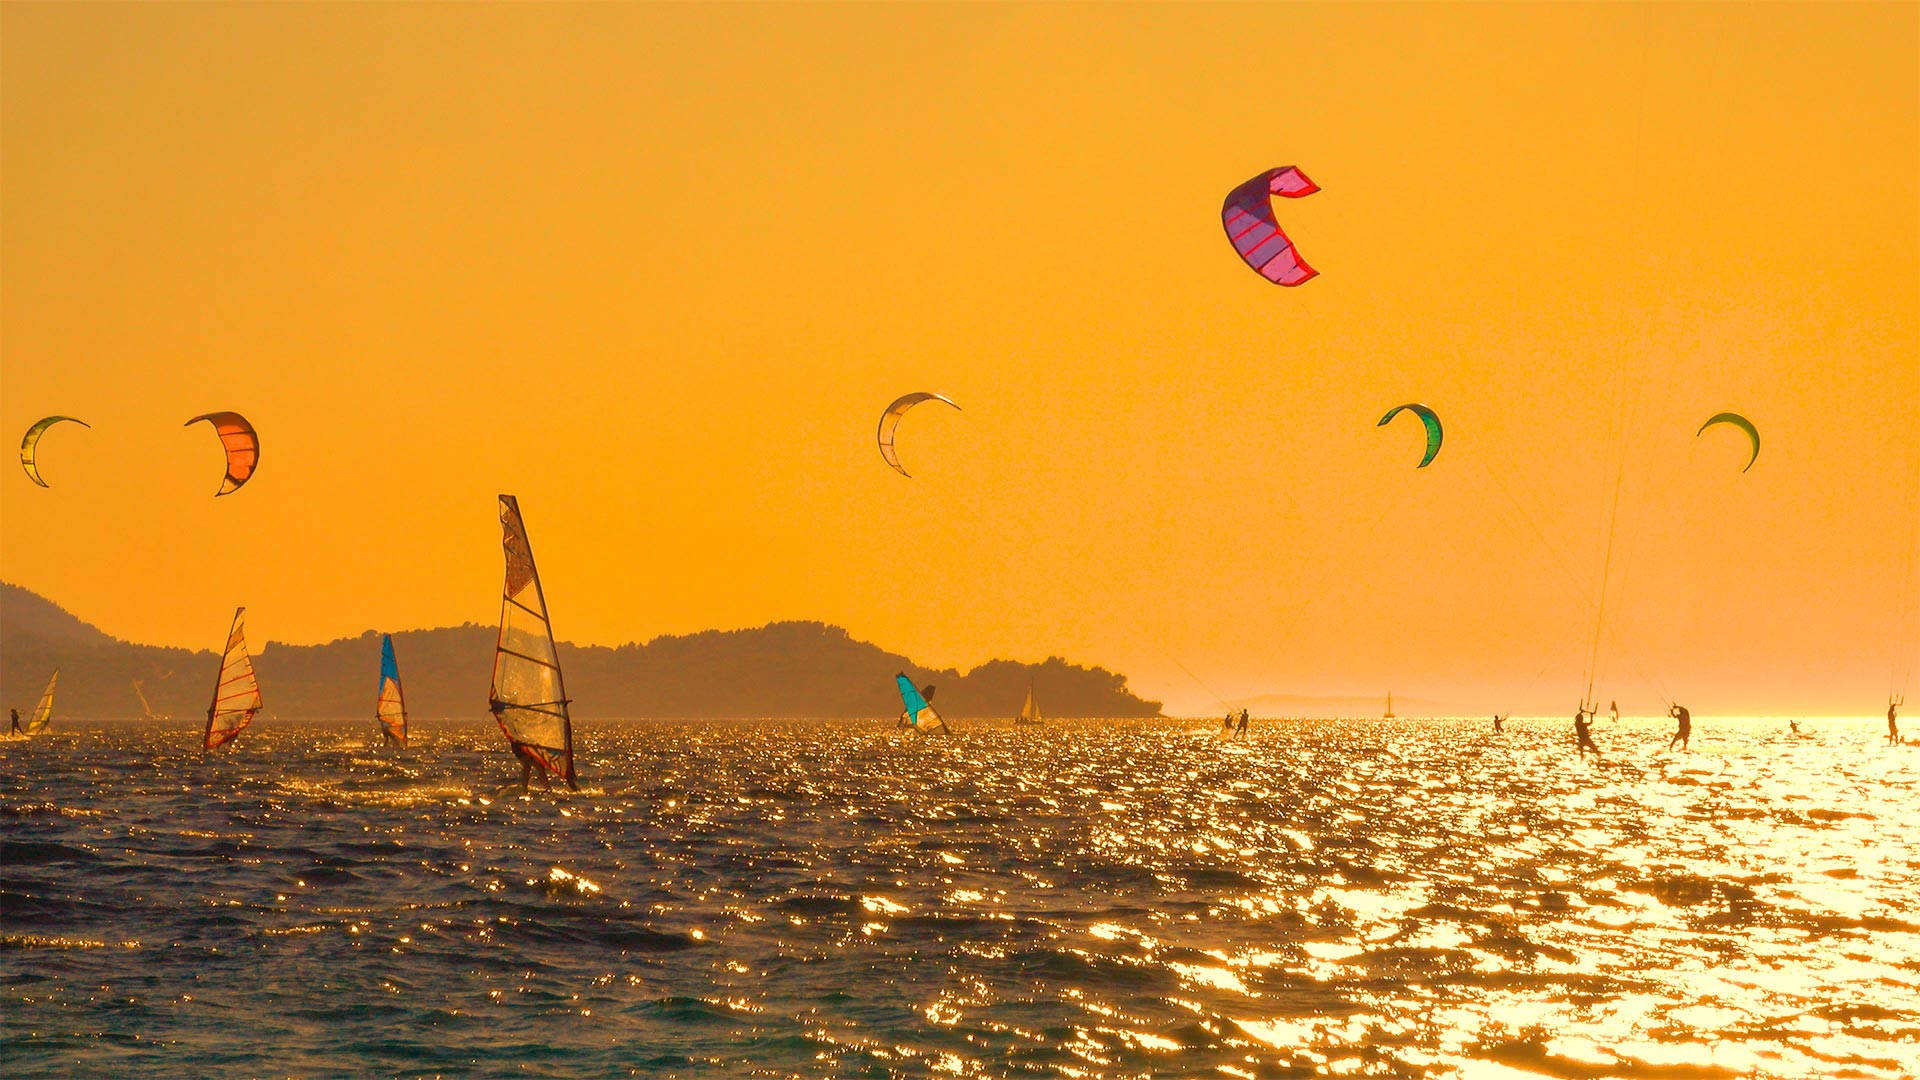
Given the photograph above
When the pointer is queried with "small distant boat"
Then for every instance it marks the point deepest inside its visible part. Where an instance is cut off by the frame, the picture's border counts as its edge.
(528, 697)
(1029, 713)
(918, 714)
(236, 692)
(391, 709)
(1389, 715)
(146, 710)
(40, 722)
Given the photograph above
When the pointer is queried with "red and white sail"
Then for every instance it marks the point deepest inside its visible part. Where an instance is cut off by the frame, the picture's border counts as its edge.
(236, 694)
(528, 698)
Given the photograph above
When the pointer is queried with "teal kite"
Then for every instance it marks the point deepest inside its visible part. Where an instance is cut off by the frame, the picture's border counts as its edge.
(1429, 418)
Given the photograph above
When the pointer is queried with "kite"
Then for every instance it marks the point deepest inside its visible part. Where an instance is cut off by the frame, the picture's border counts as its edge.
(1427, 417)
(32, 441)
(1256, 233)
(891, 419)
(243, 447)
(1740, 422)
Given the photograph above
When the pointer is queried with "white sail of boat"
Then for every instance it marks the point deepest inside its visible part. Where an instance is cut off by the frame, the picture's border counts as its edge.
(146, 710)
(41, 721)
(528, 697)
(236, 693)
(1029, 713)
(391, 708)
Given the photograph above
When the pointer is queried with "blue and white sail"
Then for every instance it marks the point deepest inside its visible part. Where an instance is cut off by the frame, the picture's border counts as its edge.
(919, 714)
(391, 709)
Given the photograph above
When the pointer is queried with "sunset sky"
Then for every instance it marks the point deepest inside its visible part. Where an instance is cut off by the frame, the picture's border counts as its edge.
(657, 269)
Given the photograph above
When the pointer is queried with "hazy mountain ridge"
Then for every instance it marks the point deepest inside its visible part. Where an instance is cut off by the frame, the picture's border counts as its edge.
(784, 669)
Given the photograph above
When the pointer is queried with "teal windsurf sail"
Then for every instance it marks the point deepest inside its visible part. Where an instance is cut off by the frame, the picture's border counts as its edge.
(919, 714)
(392, 708)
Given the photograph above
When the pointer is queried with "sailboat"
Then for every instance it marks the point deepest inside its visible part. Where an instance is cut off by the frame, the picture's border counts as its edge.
(1029, 713)
(528, 697)
(146, 710)
(391, 709)
(1389, 715)
(40, 721)
(918, 713)
(236, 692)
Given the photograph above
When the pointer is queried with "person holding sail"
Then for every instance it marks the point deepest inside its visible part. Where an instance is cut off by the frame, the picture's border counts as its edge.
(15, 728)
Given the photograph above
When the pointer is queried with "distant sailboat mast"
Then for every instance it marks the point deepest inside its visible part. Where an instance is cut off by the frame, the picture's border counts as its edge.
(42, 719)
(1389, 715)
(528, 698)
(236, 691)
(391, 709)
(1029, 713)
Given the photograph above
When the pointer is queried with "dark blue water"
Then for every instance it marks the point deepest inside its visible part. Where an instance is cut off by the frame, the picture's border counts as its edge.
(1081, 899)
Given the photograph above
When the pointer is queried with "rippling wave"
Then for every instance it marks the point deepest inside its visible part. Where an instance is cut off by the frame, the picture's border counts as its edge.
(1081, 899)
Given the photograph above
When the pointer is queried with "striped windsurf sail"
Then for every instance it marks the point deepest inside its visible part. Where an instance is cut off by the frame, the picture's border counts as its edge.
(919, 714)
(236, 693)
(42, 719)
(528, 698)
(392, 708)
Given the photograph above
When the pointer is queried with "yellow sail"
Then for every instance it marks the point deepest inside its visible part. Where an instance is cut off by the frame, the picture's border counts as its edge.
(42, 718)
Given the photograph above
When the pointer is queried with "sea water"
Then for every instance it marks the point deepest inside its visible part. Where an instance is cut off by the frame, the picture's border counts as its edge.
(1083, 898)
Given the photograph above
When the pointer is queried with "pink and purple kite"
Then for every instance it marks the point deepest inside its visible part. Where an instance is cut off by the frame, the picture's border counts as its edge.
(1256, 234)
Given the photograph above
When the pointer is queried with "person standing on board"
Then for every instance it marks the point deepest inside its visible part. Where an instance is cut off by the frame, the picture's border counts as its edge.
(1893, 723)
(1685, 728)
(1498, 719)
(1583, 733)
(1615, 710)
(1241, 730)
(528, 765)
(15, 729)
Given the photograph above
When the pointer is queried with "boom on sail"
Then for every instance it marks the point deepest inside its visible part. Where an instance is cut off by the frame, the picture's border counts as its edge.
(236, 692)
(528, 698)
(391, 709)
(42, 719)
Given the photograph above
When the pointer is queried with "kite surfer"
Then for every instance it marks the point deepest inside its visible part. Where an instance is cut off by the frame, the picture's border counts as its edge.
(1684, 730)
(1614, 709)
(1893, 722)
(1241, 730)
(1583, 733)
(1498, 720)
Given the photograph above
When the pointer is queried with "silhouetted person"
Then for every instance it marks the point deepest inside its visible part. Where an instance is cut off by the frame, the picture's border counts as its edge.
(1583, 733)
(1241, 730)
(1793, 726)
(1498, 720)
(1226, 725)
(528, 766)
(15, 729)
(1684, 730)
(1614, 709)
(1893, 723)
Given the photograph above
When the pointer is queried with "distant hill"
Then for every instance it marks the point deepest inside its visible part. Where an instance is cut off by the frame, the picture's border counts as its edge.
(785, 669)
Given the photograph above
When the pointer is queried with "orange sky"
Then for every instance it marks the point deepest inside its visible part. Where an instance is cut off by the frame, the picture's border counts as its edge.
(657, 269)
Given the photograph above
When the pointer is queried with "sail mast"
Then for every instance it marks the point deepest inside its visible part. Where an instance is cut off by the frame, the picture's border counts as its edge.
(236, 691)
(528, 696)
(391, 709)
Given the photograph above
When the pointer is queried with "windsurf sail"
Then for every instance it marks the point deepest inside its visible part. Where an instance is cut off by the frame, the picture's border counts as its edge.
(146, 710)
(42, 719)
(528, 698)
(236, 693)
(919, 714)
(392, 707)
(1029, 713)
(1389, 715)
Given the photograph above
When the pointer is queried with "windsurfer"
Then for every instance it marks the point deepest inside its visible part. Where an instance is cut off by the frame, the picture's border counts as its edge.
(528, 766)
(15, 728)
(1684, 730)
(1583, 733)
